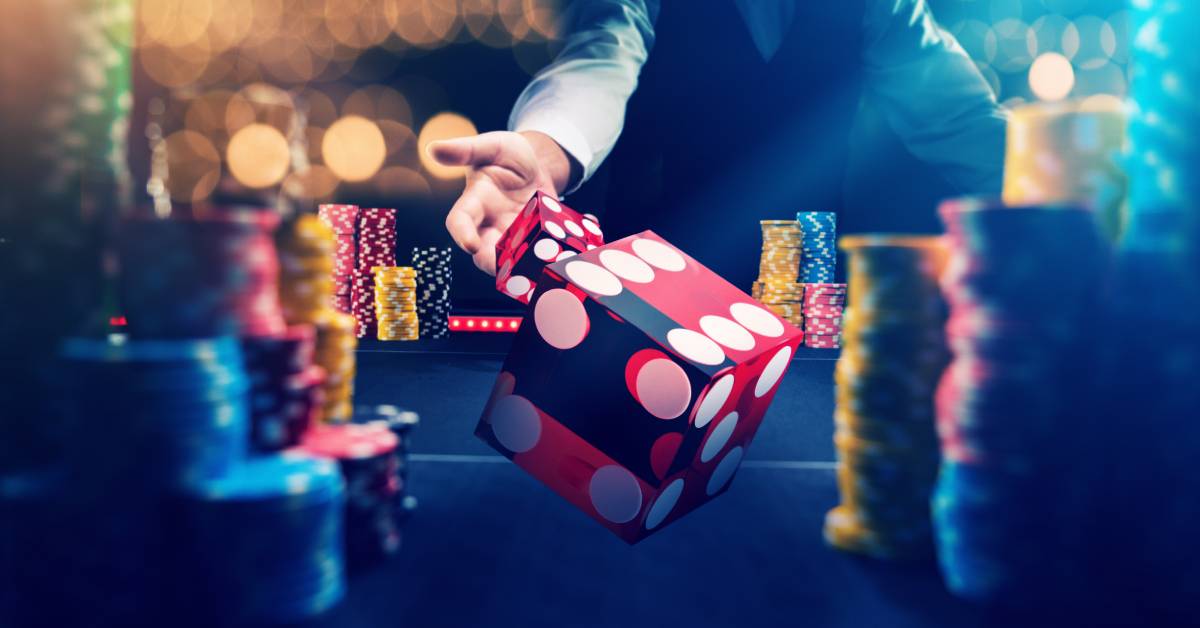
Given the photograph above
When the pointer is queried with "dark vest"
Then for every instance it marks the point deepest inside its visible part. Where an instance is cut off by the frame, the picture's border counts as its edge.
(717, 138)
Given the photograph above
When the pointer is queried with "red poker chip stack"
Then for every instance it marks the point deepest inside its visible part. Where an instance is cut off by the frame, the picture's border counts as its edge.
(285, 386)
(343, 219)
(824, 305)
(208, 275)
(376, 247)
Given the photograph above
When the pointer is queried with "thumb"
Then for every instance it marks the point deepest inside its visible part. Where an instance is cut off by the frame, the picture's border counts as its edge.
(479, 150)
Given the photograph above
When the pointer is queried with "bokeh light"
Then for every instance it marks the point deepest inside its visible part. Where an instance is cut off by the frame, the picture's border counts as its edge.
(443, 126)
(1051, 77)
(193, 166)
(258, 156)
(353, 148)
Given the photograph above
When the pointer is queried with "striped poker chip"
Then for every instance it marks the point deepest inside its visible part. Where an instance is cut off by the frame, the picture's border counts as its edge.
(340, 218)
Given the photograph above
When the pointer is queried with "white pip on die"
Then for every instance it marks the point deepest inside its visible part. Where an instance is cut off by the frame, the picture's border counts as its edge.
(545, 231)
(636, 383)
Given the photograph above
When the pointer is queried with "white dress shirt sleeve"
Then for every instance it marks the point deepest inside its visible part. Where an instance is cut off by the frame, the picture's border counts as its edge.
(579, 99)
(932, 95)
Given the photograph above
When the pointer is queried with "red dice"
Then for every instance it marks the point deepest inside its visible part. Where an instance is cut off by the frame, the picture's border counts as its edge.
(545, 231)
(637, 382)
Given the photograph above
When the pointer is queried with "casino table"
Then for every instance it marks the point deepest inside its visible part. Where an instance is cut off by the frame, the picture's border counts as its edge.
(491, 546)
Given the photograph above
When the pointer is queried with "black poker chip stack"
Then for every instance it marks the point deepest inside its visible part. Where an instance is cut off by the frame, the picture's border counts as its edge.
(401, 423)
(433, 290)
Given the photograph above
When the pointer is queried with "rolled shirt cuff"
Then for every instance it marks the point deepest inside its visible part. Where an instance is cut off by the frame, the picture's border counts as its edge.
(566, 134)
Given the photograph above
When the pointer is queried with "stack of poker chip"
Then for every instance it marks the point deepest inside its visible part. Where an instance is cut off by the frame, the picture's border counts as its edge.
(376, 247)
(1069, 152)
(396, 302)
(306, 264)
(824, 305)
(366, 453)
(778, 270)
(285, 386)
(1023, 284)
(261, 545)
(818, 260)
(892, 357)
(336, 342)
(342, 220)
(434, 277)
(198, 277)
(401, 423)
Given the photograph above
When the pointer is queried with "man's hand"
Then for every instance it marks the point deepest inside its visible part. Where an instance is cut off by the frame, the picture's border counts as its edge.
(504, 169)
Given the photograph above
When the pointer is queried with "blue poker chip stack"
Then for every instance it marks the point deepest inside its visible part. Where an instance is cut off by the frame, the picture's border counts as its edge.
(818, 259)
(261, 545)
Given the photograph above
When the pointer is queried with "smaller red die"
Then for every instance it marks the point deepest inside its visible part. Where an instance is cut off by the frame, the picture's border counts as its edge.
(545, 231)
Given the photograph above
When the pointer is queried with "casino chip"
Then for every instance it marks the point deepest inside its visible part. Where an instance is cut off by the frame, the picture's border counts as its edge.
(892, 355)
(396, 302)
(434, 277)
(261, 545)
(824, 305)
(401, 423)
(367, 455)
(286, 393)
(818, 246)
(306, 262)
(1023, 284)
(376, 240)
(778, 270)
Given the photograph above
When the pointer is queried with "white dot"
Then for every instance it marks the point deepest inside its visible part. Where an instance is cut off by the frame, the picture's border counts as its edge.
(772, 371)
(756, 319)
(627, 266)
(516, 423)
(593, 227)
(724, 471)
(663, 388)
(555, 229)
(716, 397)
(561, 319)
(575, 229)
(565, 255)
(615, 494)
(507, 266)
(664, 504)
(546, 249)
(517, 285)
(719, 437)
(727, 332)
(593, 278)
(695, 346)
(551, 204)
(591, 247)
(659, 255)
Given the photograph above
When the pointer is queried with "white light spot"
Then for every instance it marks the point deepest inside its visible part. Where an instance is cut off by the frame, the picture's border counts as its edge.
(554, 229)
(591, 247)
(659, 255)
(627, 266)
(516, 423)
(593, 227)
(724, 471)
(664, 504)
(517, 285)
(551, 204)
(615, 494)
(663, 388)
(593, 278)
(546, 249)
(565, 255)
(719, 437)
(772, 372)
(561, 319)
(716, 397)
(695, 346)
(574, 228)
(727, 332)
(756, 319)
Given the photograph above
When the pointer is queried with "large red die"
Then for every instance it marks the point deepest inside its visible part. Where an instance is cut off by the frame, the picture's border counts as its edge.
(545, 231)
(636, 383)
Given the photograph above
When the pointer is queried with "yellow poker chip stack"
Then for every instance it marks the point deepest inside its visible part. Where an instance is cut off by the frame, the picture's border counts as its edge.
(1069, 152)
(305, 248)
(778, 285)
(336, 342)
(893, 354)
(396, 302)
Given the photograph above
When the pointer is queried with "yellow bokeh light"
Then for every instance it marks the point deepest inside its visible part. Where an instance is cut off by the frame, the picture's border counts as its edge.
(353, 148)
(377, 102)
(443, 126)
(262, 103)
(193, 166)
(258, 155)
(1051, 77)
